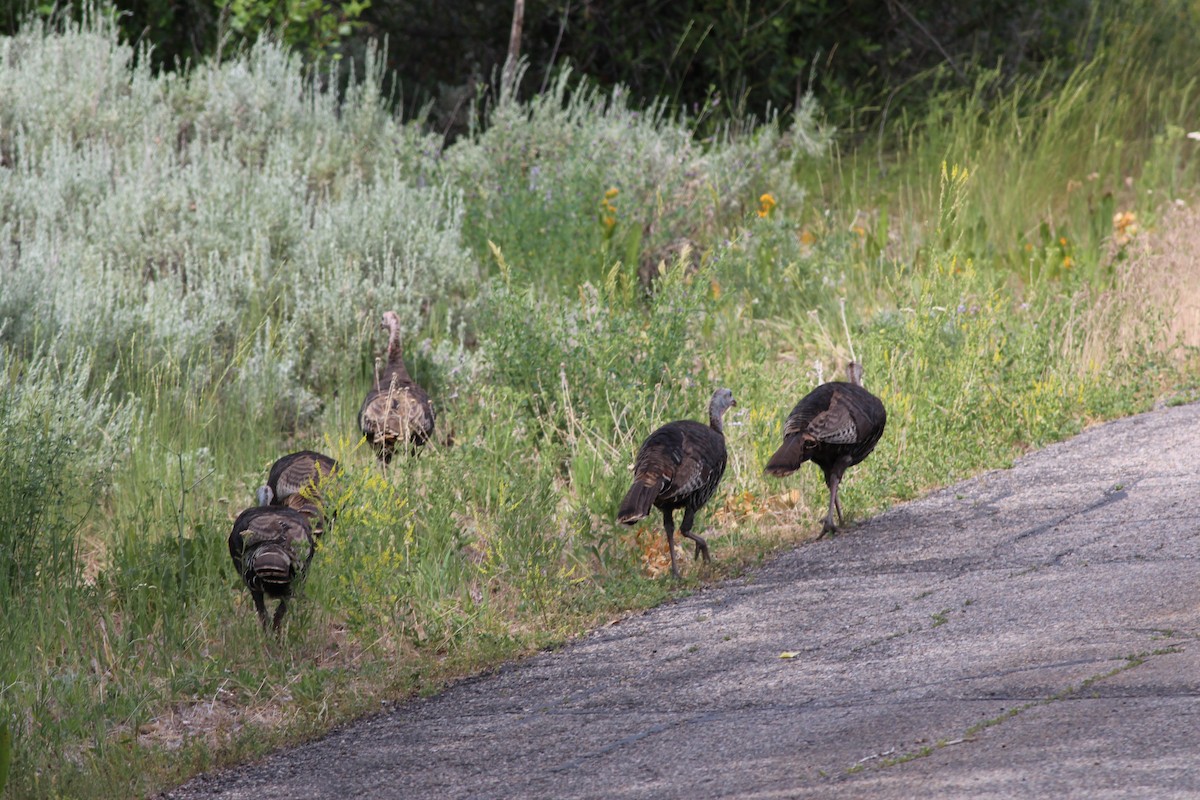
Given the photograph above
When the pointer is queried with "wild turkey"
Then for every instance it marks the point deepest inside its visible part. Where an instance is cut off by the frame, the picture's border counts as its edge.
(396, 409)
(679, 466)
(297, 471)
(294, 481)
(835, 426)
(271, 548)
(313, 511)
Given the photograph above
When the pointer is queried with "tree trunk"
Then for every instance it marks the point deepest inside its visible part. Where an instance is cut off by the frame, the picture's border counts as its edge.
(514, 48)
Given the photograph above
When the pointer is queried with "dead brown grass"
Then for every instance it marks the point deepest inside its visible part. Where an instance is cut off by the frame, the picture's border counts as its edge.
(1173, 264)
(1155, 306)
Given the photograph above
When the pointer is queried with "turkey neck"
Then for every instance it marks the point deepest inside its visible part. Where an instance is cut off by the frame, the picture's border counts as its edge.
(714, 420)
(395, 361)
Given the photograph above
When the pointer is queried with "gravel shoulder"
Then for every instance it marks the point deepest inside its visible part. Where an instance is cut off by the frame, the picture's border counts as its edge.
(1029, 632)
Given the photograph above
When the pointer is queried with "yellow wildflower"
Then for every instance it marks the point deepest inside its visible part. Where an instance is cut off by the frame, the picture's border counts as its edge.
(766, 202)
(807, 237)
(1067, 262)
(608, 211)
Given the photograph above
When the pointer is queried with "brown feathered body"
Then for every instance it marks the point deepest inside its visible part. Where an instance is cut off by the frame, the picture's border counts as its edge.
(295, 482)
(313, 511)
(396, 410)
(680, 465)
(835, 426)
(296, 472)
(271, 548)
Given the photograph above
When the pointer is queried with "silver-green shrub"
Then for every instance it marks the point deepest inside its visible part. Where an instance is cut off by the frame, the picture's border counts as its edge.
(173, 218)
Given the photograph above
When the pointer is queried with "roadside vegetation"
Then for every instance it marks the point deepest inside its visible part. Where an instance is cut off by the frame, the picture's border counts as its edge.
(194, 265)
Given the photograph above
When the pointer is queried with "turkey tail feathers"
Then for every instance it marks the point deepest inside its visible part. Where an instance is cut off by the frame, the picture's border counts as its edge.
(273, 569)
(637, 502)
(787, 458)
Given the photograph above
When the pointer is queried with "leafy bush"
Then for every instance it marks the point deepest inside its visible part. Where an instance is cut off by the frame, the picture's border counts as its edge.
(574, 180)
(37, 547)
(316, 27)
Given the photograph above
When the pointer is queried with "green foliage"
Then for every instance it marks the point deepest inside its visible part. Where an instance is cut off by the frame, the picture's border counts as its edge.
(61, 437)
(315, 27)
(375, 554)
(1054, 156)
(170, 33)
(37, 546)
(588, 377)
(736, 58)
(577, 179)
(608, 345)
(721, 60)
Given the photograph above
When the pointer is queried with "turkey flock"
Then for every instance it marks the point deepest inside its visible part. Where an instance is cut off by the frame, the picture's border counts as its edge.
(273, 543)
(678, 466)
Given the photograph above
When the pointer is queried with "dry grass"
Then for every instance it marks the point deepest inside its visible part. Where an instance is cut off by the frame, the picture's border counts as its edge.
(1156, 300)
(216, 720)
(1170, 268)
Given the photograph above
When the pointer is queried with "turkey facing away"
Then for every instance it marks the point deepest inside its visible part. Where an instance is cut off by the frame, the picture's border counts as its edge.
(679, 466)
(294, 481)
(271, 548)
(396, 410)
(835, 426)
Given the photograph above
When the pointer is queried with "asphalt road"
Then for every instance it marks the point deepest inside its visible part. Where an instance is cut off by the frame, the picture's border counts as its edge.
(1029, 633)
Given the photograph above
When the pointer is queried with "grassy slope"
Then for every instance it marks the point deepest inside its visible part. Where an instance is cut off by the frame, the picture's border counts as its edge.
(196, 274)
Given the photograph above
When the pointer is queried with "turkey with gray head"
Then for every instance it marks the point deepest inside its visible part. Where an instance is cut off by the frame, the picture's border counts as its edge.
(835, 426)
(271, 548)
(396, 410)
(295, 482)
(679, 466)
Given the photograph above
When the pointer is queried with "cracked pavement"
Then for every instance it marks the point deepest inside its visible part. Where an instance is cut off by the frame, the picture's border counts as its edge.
(1030, 632)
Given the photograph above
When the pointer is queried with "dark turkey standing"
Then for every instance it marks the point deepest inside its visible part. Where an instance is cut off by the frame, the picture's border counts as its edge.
(835, 426)
(679, 466)
(294, 481)
(396, 409)
(271, 548)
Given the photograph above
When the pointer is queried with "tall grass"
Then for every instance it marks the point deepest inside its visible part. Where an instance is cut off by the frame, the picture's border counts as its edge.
(194, 269)
(1053, 157)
